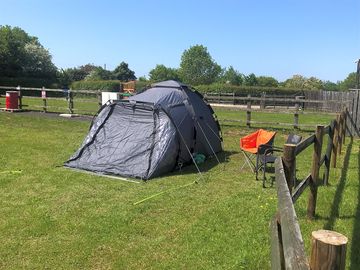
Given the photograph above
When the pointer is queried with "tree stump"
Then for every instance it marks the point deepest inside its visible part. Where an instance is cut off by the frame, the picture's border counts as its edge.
(328, 250)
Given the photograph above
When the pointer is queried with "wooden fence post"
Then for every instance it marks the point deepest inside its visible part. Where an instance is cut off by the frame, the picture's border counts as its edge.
(289, 164)
(340, 133)
(18, 88)
(335, 142)
(248, 111)
(328, 250)
(70, 101)
(329, 150)
(262, 101)
(99, 98)
(314, 181)
(296, 115)
(344, 125)
(43, 95)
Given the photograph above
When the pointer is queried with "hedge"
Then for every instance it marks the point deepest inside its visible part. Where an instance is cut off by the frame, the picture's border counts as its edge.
(245, 90)
(28, 82)
(108, 85)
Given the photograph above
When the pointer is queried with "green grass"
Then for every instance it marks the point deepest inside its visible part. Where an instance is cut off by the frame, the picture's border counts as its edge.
(56, 218)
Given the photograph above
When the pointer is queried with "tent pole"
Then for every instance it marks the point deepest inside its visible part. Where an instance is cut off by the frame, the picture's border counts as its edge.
(207, 141)
(187, 148)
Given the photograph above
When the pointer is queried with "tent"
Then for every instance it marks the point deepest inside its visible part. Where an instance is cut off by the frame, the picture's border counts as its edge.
(149, 134)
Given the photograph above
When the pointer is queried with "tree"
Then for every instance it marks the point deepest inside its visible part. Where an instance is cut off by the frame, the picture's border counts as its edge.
(99, 74)
(349, 82)
(295, 82)
(266, 81)
(330, 86)
(198, 67)
(79, 73)
(123, 73)
(301, 82)
(251, 80)
(163, 73)
(23, 55)
(38, 61)
(313, 84)
(231, 76)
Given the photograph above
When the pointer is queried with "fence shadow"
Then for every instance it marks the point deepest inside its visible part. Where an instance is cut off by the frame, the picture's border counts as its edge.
(334, 214)
(355, 246)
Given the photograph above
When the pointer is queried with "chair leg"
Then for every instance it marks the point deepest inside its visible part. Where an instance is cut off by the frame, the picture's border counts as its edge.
(264, 177)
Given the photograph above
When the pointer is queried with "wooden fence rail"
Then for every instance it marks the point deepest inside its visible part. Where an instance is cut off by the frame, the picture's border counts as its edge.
(61, 94)
(287, 247)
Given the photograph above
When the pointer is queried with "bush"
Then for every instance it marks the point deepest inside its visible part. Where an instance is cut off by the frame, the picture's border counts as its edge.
(106, 85)
(245, 90)
(28, 82)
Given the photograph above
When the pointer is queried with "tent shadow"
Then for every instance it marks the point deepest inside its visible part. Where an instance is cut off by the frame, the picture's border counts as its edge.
(209, 163)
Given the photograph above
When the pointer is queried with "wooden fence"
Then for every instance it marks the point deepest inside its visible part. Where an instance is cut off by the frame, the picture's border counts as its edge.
(45, 95)
(287, 247)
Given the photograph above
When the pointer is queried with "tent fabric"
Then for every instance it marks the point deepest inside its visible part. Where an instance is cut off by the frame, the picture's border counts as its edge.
(251, 142)
(149, 134)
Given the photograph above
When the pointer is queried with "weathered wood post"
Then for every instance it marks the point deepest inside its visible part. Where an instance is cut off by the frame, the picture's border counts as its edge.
(262, 101)
(99, 97)
(18, 88)
(335, 142)
(248, 111)
(329, 150)
(344, 125)
(70, 101)
(233, 98)
(340, 140)
(43, 96)
(328, 250)
(314, 181)
(296, 114)
(289, 158)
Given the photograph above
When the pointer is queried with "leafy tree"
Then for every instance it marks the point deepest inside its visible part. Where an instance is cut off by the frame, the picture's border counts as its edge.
(231, 76)
(163, 73)
(98, 74)
(301, 82)
(349, 82)
(197, 66)
(142, 79)
(251, 80)
(79, 73)
(295, 82)
(330, 86)
(123, 73)
(267, 81)
(313, 84)
(38, 61)
(23, 55)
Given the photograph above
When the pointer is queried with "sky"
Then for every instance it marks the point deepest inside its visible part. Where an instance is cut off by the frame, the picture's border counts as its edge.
(278, 38)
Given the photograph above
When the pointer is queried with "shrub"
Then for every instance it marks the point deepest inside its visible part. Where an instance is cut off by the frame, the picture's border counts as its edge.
(28, 82)
(245, 90)
(106, 85)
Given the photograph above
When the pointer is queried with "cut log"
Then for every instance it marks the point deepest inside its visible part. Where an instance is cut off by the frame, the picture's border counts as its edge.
(328, 250)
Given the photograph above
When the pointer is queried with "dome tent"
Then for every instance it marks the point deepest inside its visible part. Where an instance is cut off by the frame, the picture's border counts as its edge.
(149, 134)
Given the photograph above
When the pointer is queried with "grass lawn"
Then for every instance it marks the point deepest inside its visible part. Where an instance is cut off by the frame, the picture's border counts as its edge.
(55, 218)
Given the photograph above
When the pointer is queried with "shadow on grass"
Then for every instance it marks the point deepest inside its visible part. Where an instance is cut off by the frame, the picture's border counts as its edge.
(334, 214)
(206, 166)
(355, 245)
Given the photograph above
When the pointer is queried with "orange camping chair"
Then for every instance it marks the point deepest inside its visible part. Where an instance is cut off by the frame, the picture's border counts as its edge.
(256, 145)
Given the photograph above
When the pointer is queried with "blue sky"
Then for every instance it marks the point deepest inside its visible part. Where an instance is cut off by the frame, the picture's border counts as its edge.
(273, 38)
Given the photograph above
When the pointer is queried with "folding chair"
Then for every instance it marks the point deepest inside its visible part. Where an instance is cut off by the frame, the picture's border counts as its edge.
(252, 143)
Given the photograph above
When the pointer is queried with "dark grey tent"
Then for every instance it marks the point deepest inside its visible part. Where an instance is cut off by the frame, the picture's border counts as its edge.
(149, 134)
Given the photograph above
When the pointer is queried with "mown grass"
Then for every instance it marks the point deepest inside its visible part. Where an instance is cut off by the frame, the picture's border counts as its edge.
(60, 219)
